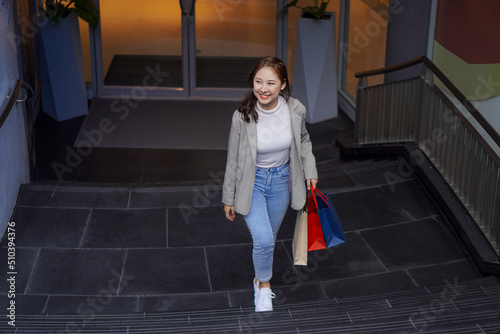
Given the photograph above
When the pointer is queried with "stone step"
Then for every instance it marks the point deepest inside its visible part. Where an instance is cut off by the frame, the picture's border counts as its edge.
(432, 310)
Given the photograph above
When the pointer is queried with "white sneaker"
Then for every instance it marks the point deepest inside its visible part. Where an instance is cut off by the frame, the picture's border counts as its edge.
(265, 300)
(255, 290)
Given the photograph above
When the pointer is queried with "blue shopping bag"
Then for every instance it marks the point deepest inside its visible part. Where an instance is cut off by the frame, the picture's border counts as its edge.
(329, 219)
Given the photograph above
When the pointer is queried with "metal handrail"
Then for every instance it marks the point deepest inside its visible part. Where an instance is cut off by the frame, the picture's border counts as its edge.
(453, 89)
(389, 69)
(417, 110)
(13, 99)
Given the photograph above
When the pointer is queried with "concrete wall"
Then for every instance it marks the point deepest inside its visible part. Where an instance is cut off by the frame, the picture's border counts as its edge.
(408, 38)
(466, 49)
(14, 168)
(407, 34)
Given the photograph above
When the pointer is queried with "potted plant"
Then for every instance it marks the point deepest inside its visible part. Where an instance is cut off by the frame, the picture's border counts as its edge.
(59, 9)
(64, 93)
(315, 78)
(318, 10)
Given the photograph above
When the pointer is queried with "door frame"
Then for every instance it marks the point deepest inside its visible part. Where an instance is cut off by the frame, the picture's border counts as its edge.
(189, 89)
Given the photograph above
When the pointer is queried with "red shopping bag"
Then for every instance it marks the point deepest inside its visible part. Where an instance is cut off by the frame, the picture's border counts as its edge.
(315, 238)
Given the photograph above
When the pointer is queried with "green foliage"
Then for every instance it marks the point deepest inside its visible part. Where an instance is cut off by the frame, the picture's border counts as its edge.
(318, 10)
(85, 9)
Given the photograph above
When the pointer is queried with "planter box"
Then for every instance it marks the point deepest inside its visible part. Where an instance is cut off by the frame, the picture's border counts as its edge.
(64, 94)
(315, 75)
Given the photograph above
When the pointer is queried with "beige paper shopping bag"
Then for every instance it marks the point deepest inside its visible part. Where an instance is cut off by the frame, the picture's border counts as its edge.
(299, 244)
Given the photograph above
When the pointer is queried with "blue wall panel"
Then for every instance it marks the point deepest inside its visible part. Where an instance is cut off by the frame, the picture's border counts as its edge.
(14, 168)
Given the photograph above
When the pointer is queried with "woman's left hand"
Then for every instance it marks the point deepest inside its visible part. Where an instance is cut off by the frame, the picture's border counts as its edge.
(311, 182)
(229, 210)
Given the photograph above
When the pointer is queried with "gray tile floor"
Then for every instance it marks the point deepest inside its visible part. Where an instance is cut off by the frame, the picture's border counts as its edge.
(127, 248)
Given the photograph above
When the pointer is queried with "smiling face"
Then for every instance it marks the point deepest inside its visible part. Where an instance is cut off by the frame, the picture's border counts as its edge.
(266, 88)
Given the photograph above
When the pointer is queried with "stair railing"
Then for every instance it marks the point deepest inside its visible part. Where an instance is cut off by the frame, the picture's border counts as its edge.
(13, 99)
(447, 128)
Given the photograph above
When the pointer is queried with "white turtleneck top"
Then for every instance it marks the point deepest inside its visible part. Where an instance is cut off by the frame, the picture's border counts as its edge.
(274, 135)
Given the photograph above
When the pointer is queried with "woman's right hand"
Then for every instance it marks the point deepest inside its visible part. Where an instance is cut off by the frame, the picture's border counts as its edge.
(229, 210)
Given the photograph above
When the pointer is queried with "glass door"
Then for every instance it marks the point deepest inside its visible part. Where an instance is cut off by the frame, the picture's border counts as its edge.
(139, 48)
(229, 38)
(183, 48)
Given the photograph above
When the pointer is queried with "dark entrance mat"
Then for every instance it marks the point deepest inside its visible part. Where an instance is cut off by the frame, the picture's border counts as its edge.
(131, 70)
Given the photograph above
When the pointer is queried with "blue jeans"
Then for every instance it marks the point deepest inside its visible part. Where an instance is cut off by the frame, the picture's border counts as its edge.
(270, 201)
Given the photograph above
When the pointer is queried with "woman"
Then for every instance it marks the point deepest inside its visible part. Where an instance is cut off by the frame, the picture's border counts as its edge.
(269, 165)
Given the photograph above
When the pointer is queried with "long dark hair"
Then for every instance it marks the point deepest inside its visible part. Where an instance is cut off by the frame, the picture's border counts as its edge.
(247, 105)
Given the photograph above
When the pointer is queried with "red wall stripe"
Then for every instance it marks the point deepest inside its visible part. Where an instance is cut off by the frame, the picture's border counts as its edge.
(470, 29)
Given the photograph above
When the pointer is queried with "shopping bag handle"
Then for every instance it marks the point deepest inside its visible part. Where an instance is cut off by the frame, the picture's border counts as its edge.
(308, 198)
(320, 194)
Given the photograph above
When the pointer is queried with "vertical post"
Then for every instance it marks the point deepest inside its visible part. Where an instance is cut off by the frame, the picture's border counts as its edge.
(282, 31)
(191, 49)
(95, 37)
(496, 213)
(432, 28)
(343, 44)
(186, 37)
(360, 110)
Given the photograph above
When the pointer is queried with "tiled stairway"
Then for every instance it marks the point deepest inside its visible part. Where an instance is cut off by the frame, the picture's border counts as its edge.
(468, 307)
(161, 258)
(153, 259)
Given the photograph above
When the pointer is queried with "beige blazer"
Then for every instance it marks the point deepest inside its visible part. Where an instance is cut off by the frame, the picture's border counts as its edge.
(239, 177)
